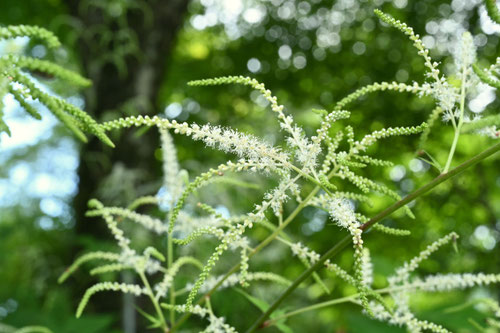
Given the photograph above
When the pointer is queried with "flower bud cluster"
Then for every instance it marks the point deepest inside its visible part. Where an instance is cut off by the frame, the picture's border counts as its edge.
(231, 236)
(303, 252)
(415, 38)
(168, 277)
(366, 267)
(13, 31)
(440, 88)
(403, 273)
(104, 286)
(370, 139)
(322, 132)
(378, 86)
(72, 117)
(447, 282)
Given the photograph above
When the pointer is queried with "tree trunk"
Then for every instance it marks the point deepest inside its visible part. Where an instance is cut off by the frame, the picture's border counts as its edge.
(124, 51)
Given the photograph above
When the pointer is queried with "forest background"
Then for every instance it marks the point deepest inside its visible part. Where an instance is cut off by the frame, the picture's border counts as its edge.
(140, 56)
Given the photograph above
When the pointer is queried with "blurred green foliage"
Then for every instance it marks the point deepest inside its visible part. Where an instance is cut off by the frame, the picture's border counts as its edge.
(31, 256)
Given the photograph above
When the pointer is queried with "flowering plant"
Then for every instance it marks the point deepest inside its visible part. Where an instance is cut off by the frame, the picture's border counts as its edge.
(330, 161)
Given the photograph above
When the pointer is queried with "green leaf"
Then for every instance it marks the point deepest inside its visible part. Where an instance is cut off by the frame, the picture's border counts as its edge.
(261, 304)
(283, 328)
(155, 323)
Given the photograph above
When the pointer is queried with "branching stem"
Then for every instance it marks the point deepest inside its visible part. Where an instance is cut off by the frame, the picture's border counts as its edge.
(458, 127)
(337, 248)
(152, 297)
(351, 298)
(170, 261)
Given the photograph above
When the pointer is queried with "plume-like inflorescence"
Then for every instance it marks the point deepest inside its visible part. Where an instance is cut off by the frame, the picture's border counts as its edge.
(452, 99)
(295, 162)
(105, 286)
(446, 95)
(228, 232)
(306, 151)
(171, 171)
(186, 221)
(264, 155)
(379, 86)
(402, 285)
(343, 215)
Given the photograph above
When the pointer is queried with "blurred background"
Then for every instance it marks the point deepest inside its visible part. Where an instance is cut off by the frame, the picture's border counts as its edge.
(141, 54)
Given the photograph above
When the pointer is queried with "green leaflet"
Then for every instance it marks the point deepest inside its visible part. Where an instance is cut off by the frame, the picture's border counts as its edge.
(492, 9)
(45, 36)
(73, 118)
(493, 120)
(486, 77)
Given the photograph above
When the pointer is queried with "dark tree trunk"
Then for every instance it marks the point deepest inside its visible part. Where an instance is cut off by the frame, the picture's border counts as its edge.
(126, 60)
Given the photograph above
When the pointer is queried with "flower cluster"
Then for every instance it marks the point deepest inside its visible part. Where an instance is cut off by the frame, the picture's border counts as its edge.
(293, 164)
(243, 145)
(171, 169)
(447, 282)
(403, 273)
(342, 213)
(229, 140)
(277, 197)
(401, 286)
(303, 252)
(307, 151)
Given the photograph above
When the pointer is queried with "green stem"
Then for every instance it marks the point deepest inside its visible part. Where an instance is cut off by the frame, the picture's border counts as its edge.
(151, 295)
(350, 298)
(311, 307)
(453, 147)
(170, 261)
(312, 179)
(337, 248)
(458, 128)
